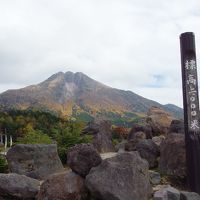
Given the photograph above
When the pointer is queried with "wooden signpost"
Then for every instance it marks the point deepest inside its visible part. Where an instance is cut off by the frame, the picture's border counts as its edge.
(191, 109)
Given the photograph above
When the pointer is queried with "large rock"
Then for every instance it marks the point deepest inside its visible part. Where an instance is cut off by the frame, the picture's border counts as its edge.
(18, 186)
(102, 134)
(146, 129)
(189, 196)
(82, 157)
(167, 193)
(123, 177)
(149, 151)
(36, 161)
(140, 135)
(131, 145)
(177, 126)
(173, 155)
(61, 186)
(155, 177)
(134, 139)
(159, 120)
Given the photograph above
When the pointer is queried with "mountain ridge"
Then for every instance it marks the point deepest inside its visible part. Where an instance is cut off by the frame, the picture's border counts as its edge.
(72, 93)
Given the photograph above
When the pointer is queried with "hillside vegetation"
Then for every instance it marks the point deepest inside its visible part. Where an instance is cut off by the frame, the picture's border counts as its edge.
(33, 127)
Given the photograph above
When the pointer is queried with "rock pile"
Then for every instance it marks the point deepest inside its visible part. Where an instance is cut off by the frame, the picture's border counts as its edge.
(27, 163)
(122, 175)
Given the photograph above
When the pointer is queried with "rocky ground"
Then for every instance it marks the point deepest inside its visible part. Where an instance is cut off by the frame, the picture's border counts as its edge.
(149, 165)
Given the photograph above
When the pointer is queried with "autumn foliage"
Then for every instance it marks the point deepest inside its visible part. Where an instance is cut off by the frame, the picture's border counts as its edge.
(121, 132)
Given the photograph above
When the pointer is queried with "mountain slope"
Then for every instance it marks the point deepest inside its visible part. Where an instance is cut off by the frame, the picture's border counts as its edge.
(74, 93)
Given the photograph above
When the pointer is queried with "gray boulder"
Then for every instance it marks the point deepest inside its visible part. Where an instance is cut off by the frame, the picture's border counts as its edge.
(65, 185)
(177, 126)
(18, 186)
(146, 147)
(36, 161)
(102, 135)
(146, 129)
(131, 145)
(123, 177)
(140, 135)
(82, 157)
(189, 196)
(155, 177)
(149, 151)
(173, 155)
(167, 193)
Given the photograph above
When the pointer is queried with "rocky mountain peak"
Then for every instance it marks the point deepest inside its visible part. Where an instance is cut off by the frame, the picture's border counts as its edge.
(55, 76)
(79, 79)
(64, 91)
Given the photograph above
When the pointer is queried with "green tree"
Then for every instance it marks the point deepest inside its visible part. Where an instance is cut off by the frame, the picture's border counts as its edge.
(69, 137)
(34, 137)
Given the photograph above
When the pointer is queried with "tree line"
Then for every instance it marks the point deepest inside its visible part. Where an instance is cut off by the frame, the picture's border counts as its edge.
(37, 126)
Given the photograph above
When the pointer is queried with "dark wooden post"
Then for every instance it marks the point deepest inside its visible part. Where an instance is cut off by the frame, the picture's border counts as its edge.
(191, 109)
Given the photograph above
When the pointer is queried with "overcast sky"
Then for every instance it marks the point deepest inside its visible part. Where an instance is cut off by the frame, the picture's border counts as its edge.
(126, 44)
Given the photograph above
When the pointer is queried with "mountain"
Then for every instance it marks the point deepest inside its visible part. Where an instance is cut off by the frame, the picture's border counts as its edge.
(77, 95)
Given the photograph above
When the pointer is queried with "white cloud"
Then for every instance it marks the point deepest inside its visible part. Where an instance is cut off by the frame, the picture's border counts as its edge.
(124, 44)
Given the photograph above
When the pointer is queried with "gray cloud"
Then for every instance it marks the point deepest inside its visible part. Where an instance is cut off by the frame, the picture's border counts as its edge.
(123, 43)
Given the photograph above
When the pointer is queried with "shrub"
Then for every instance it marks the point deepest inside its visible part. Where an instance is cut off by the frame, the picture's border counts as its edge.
(34, 137)
(115, 142)
(62, 152)
(3, 165)
(67, 139)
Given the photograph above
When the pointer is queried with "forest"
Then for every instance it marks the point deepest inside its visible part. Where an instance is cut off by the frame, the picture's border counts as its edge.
(35, 126)
(46, 127)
